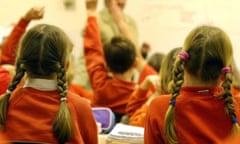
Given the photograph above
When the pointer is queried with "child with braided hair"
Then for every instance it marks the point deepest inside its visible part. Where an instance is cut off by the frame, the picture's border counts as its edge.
(43, 111)
(201, 108)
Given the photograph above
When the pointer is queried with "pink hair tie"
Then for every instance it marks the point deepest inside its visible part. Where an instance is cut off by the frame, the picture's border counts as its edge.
(184, 55)
(226, 70)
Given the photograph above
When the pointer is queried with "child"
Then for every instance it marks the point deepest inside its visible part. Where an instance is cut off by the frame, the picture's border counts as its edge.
(120, 55)
(43, 110)
(142, 97)
(199, 109)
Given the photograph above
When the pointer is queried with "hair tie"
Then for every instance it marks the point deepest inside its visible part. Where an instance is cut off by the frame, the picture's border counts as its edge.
(172, 102)
(235, 120)
(184, 55)
(226, 70)
(63, 99)
(8, 91)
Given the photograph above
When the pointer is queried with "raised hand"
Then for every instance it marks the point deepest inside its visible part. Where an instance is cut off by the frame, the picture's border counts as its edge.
(91, 5)
(34, 13)
(115, 11)
(151, 80)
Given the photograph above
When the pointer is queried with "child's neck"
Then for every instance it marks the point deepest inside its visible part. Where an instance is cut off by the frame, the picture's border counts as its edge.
(127, 76)
(190, 80)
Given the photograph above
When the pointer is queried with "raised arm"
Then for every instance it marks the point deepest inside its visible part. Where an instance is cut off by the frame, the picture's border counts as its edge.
(9, 47)
(117, 16)
(93, 50)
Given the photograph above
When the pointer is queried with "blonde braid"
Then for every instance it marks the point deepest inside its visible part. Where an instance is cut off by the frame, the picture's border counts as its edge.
(178, 80)
(4, 100)
(228, 101)
(62, 125)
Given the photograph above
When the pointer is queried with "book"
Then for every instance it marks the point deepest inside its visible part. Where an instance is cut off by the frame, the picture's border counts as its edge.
(126, 134)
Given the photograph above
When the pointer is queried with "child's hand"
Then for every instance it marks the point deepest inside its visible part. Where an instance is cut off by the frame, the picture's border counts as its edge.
(151, 80)
(115, 11)
(91, 5)
(34, 13)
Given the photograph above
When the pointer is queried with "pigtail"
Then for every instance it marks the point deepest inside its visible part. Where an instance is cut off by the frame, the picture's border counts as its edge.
(4, 100)
(62, 125)
(169, 127)
(178, 79)
(228, 99)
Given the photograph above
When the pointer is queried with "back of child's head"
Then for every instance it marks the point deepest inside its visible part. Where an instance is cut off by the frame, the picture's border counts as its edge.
(155, 61)
(43, 53)
(207, 53)
(166, 70)
(120, 54)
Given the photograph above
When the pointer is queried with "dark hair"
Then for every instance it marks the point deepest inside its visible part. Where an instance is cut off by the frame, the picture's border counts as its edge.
(120, 54)
(44, 51)
(156, 61)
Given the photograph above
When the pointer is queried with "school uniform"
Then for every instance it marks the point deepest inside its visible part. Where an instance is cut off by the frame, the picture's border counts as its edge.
(109, 91)
(138, 117)
(235, 91)
(200, 117)
(147, 70)
(79, 90)
(137, 99)
(33, 108)
(5, 79)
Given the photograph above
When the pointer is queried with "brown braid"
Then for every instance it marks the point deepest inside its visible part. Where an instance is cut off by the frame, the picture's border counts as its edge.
(178, 80)
(228, 100)
(4, 100)
(62, 127)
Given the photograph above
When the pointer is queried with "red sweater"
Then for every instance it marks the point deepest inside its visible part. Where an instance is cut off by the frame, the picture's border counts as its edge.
(9, 47)
(199, 117)
(147, 70)
(108, 91)
(31, 113)
(5, 79)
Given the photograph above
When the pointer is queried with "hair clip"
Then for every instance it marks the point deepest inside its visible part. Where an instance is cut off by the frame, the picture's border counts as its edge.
(235, 120)
(172, 102)
(226, 70)
(183, 55)
(63, 99)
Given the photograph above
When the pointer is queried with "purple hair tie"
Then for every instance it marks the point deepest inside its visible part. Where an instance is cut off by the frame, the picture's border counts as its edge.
(235, 120)
(184, 55)
(226, 70)
(172, 102)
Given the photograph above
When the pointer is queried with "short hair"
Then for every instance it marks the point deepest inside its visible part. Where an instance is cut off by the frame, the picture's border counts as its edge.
(120, 54)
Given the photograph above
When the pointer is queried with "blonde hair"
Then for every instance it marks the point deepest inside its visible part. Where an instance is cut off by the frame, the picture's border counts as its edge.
(166, 70)
(210, 50)
(43, 52)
